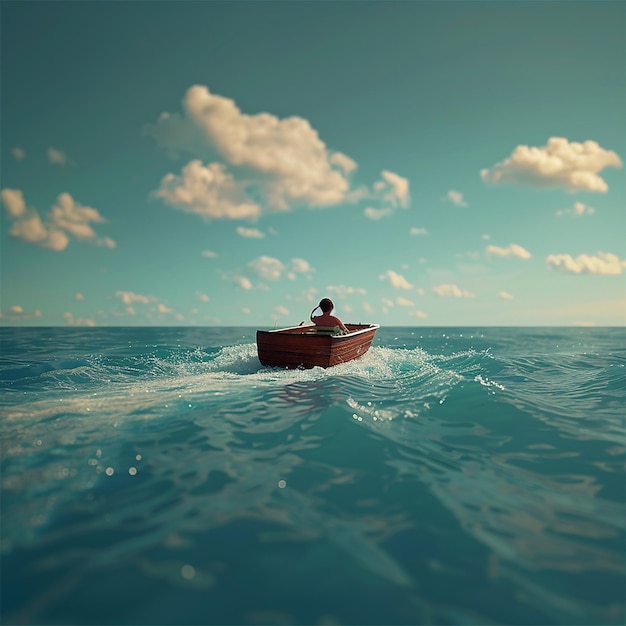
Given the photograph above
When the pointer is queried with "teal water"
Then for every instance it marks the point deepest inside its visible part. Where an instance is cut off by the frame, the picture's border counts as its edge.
(449, 476)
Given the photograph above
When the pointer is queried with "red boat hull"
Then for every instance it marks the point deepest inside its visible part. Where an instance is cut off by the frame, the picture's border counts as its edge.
(302, 346)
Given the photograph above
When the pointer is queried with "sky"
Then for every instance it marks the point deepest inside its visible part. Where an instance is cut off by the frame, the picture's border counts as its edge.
(232, 163)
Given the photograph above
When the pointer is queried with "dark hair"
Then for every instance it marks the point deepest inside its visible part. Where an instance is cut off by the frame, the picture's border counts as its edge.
(326, 304)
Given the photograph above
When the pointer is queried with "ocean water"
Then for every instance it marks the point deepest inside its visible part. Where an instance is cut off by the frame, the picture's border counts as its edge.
(449, 476)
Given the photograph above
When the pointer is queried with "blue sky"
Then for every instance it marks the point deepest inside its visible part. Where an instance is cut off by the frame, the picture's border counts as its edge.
(231, 163)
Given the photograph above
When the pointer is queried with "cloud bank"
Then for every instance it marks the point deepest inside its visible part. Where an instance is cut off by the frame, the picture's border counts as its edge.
(511, 250)
(16, 313)
(283, 159)
(270, 268)
(571, 166)
(603, 263)
(263, 163)
(129, 297)
(66, 217)
(343, 291)
(451, 291)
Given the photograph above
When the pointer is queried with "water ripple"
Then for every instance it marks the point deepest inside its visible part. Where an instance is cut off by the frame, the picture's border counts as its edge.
(433, 471)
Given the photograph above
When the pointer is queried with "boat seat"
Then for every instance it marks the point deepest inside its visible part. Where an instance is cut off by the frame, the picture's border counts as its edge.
(327, 330)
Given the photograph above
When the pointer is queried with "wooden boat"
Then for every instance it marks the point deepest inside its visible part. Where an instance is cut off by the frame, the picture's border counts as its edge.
(311, 346)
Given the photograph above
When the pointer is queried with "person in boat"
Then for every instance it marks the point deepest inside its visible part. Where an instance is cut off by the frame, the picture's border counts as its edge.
(326, 319)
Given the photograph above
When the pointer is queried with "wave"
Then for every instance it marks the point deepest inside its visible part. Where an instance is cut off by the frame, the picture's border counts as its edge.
(557, 387)
(510, 455)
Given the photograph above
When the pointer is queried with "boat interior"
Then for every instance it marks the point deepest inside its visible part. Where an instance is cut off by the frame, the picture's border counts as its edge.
(332, 331)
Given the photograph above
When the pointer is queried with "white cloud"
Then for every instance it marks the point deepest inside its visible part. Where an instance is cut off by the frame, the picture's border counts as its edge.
(300, 266)
(17, 313)
(79, 296)
(419, 314)
(343, 291)
(603, 263)
(343, 161)
(511, 250)
(577, 210)
(397, 193)
(367, 307)
(80, 321)
(397, 280)
(202, 296)
(392, 191)
(32, 230)
(571, 166)
(209, 254)
(13, 200)
(129, 297)
(273, 269)
(66, 216)
(267, 267)
(452, 291)
(281, 310)
(291, 164)
(18, 154)
(208, 191)
(250, 233)
(403, 302)
(418, 231)
(310, 294)
(505, 295)
(107, 242)
(377, 214)
(246, 310)
(72, 217)
(57, 157)
(243, 282)
(456, 197)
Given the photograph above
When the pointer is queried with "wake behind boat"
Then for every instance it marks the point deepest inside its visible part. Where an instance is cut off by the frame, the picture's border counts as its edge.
(313, 346)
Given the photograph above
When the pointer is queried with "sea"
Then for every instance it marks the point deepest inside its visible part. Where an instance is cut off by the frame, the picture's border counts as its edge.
(448, 476)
